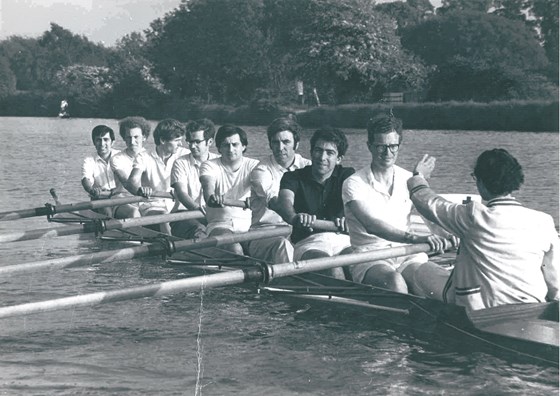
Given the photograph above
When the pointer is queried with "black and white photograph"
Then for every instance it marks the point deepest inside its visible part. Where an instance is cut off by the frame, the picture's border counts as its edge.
(279, 197)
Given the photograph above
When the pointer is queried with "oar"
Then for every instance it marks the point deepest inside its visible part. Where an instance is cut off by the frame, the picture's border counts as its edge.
(234, 277)
(100, 226)
(49, 210)
(168, 247)
(318, 224)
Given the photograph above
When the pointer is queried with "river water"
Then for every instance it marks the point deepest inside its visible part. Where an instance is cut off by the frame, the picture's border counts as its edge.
(230, 341)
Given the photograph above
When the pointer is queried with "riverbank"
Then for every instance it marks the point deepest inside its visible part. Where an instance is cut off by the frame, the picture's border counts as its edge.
(535, 116)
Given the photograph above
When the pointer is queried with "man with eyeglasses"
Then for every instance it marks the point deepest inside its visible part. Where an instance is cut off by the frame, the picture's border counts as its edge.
(377, 208)
(185, 176)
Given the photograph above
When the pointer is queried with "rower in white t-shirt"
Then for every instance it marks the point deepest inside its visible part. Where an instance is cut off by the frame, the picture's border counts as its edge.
(228, 177)
(134, 131)
(151, 171)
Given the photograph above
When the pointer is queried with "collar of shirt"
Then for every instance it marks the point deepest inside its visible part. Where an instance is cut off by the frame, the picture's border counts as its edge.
(308, 175)
(503, 201)
(98, 158)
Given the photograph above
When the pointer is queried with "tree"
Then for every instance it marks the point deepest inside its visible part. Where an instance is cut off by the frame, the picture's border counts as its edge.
(7, 78)
(60, 47)
(479, 56)
(345, 48)
(22, 55)
(546, 12)
(407, 13)
(212, 49)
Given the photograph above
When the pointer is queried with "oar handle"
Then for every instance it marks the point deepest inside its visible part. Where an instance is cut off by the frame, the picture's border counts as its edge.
(246, 204)
(325, 225)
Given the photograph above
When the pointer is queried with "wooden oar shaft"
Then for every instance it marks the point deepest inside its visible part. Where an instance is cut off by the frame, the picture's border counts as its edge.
(73, 207)
(18, 236)
(157, 290)
(300, 267)
(232, 277)
(140, 251)
(112, 224)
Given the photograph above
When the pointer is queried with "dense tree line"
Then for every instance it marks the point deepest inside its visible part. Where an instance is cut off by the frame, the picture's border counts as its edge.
(243, 51)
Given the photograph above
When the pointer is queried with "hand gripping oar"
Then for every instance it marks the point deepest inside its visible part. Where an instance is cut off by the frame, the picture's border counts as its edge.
(165, 248)
(263, 273)
(50, 210)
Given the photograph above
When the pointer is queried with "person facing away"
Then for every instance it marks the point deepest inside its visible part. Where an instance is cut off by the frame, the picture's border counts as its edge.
(378, 208)
(97, 175)
(185, 176)
(508, 253)
(315, 192)
(227, 177)
(134, 131)
(283, 138)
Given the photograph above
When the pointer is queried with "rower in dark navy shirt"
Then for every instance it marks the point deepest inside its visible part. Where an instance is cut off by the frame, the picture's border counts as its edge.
(315, 192)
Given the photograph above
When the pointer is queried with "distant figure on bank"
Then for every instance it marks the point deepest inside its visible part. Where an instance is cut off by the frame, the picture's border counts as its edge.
(227, 177)
(185, 176)
(315, 192)
(508, 253)
(97, 175)
(134, 131)
(151, 170)
(283, 138)
(378, 209)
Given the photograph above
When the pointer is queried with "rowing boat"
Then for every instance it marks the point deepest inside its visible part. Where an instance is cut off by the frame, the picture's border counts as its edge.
(526, 331)
(522, 330)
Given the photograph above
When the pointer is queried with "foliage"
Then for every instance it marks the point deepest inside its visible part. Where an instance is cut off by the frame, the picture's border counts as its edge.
(214, 50)
(23, 55)
(407, 13)
(7, 78)
(344, 47)
(531, 116)
(478, 56)
(85, 86)
(60, 48)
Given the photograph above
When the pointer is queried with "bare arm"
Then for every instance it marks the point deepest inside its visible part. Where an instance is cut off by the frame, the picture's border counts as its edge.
(182, 195)
(550, 269)
(91, 188)
(134, 181)
(386, 231)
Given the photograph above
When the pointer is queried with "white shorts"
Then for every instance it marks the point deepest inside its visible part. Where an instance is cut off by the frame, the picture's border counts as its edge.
(234, 225)
(358, 271)
(329, 242)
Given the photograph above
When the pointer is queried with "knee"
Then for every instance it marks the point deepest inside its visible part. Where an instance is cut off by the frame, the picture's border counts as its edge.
(390, 280)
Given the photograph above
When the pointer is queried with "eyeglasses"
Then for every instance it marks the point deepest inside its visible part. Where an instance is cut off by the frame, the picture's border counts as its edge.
(196, 141)
(381, 148)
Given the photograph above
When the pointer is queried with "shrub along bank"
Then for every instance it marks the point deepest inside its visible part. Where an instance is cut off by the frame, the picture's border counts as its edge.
(532, 116)
(496, 116)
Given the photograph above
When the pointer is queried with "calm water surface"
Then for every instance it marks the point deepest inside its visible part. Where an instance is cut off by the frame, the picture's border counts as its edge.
(249, 344)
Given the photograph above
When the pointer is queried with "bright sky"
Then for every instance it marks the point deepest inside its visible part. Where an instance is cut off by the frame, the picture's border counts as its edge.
(99, 20)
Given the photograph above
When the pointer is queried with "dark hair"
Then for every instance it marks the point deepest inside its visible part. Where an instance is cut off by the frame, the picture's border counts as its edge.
(168, 129)
(384, 123)
(284, 124)
(129, 123)
(499, 171)
(228, 130)
(102, 130)
(204, 124)
(331, 135)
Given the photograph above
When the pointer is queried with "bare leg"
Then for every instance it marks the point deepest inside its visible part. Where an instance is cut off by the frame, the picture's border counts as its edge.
(386, 277)
(337, 273)
(235, 248)
(126, 212)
